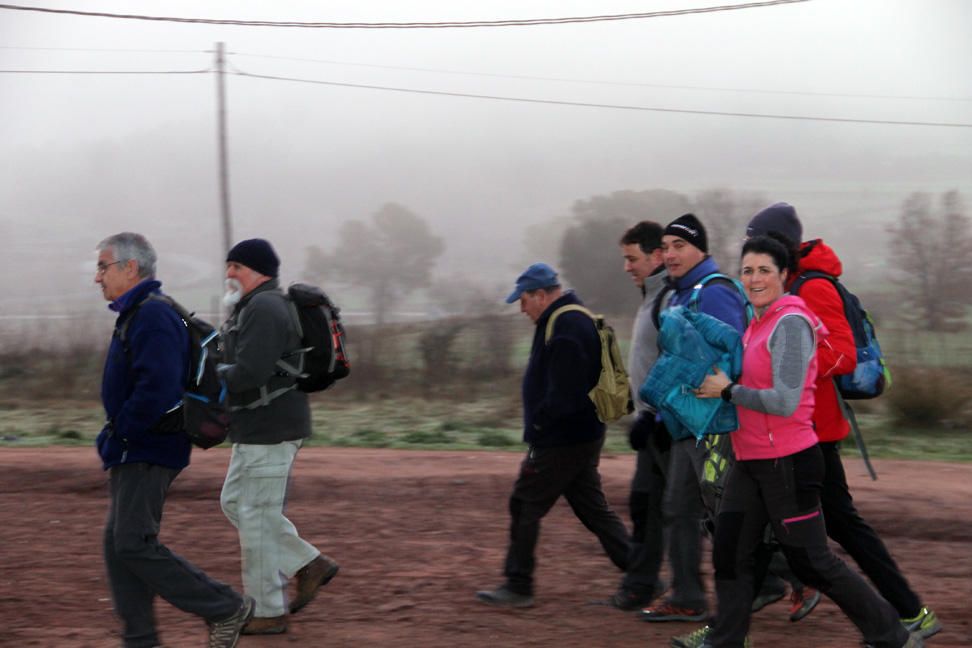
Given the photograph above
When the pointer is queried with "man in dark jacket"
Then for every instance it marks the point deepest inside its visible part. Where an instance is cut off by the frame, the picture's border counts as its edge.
(563, 432)
(143, 447)
(270, 420)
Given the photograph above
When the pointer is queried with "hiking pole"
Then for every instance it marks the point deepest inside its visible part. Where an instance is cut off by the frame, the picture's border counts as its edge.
(858, 437)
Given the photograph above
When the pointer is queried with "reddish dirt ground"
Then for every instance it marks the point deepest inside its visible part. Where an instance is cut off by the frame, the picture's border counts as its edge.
(416, 534)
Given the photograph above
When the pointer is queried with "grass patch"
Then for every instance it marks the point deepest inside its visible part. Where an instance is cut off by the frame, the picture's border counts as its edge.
(490, 423)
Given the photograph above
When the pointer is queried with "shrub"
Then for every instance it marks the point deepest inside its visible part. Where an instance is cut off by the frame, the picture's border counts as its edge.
(929, 397)
(495, 439)
(426, 436)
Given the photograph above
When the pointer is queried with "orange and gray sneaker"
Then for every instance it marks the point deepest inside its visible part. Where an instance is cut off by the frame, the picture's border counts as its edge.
(802, 602)
(668, 612)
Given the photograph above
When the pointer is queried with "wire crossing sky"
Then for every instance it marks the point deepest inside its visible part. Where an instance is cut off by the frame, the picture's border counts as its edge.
(529, 22)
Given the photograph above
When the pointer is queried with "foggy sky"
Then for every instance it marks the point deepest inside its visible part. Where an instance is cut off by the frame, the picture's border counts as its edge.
(84, 156)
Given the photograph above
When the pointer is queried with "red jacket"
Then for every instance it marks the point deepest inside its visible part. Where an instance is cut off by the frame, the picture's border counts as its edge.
(837, 354)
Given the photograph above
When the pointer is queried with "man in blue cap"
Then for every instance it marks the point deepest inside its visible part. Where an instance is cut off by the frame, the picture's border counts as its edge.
(564, 434)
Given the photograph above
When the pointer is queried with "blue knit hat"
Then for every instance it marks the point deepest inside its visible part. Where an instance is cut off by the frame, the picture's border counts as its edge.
(256, 254)
(779, 217)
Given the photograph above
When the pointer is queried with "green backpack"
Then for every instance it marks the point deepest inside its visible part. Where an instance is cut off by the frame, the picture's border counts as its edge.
(611, 395)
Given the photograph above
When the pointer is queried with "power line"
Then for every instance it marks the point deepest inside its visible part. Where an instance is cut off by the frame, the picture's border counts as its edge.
(601, 81)
(528, 22)
(581, 104)
(106, 71)
(102, 49)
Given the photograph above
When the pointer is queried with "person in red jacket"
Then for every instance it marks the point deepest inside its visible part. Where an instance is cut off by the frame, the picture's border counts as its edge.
(844, 524)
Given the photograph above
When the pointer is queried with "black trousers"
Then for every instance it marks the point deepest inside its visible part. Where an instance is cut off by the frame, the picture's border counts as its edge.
(785, 493)
(645, 508)
(545, 475)
(848, 529)
(141, 568)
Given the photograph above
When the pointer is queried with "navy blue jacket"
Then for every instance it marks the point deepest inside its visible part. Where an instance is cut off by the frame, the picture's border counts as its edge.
(139, 386)
(556, 408)
(717, 298)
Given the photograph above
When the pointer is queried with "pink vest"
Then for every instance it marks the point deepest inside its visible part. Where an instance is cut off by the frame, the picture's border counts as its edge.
(766, 436)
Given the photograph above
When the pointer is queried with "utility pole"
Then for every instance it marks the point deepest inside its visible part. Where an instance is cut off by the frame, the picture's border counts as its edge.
(223, 164)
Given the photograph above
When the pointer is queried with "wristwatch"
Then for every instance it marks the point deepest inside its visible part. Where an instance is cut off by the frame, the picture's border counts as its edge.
(727, 392)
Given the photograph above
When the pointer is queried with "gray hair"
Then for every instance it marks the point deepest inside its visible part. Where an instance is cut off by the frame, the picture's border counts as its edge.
(128, 246)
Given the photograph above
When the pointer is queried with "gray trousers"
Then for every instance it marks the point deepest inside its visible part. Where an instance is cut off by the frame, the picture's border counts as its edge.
(682, 507)
(141, 568)
(645, 508)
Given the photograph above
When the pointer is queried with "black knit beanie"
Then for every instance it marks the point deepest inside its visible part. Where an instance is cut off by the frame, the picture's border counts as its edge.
(689, 227)
(256, 254)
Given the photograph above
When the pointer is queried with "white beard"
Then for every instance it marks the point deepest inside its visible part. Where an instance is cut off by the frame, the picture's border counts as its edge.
(233, 294)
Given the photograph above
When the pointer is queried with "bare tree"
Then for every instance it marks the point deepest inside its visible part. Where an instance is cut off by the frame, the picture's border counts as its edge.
(933, 262)
(725, 214)
(589, 256)
(390, 257)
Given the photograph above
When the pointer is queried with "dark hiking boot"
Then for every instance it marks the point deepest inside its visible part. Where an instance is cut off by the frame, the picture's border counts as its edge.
(504, 597)
(312, 577)
(266, 625)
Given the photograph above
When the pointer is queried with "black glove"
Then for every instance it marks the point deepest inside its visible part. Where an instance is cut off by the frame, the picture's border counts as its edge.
(661, 437)
(641, 429)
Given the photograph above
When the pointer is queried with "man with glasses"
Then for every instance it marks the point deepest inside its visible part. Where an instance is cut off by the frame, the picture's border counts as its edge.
(143, 448)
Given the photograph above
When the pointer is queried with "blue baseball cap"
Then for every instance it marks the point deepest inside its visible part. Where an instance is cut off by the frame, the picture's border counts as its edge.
(537, 276)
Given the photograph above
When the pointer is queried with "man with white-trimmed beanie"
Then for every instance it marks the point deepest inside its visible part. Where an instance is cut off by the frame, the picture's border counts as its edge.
(685, 252)
(270, 420)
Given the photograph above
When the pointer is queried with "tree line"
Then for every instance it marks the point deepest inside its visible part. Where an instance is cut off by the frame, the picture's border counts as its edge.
(394, 253)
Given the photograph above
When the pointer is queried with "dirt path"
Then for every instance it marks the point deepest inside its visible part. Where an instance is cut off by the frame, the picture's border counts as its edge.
(416, 534)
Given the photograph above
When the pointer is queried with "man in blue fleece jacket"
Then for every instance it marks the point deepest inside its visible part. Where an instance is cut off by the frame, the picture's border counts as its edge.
(686, 257)
(565, 436)
(143, 447)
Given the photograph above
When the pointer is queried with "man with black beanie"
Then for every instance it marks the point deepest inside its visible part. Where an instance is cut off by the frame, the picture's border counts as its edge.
(270, 420)
(685, 253)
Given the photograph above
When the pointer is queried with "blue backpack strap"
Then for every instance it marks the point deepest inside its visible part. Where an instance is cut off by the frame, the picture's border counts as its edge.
(718, 276)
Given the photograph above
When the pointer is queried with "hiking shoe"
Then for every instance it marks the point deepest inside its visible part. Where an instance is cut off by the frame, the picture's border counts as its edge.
(225, 633)
(802, 602)
(503, 596)
(925, 624)
(312, 577)
(914, 641)
(699, 639)
(628, 599)
(765, 598)
(266, 626)
(692, 639)
(668, 612)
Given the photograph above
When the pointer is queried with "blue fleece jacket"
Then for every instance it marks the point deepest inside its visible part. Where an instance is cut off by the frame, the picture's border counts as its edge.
(717, 298)
(139, 386)
(556, 408)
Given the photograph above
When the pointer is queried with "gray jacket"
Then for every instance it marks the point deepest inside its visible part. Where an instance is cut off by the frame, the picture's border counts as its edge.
(644, 340)
(260, 331)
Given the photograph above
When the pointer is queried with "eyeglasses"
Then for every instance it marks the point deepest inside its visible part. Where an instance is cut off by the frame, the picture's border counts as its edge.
(102, 268)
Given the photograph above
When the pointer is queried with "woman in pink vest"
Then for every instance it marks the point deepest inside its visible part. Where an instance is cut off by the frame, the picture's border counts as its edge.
(779, 468)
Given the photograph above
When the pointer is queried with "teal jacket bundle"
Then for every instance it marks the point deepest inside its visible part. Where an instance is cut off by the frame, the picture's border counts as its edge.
(692, 343)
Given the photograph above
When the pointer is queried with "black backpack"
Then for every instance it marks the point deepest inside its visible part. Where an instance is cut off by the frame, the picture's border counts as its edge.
(324, 356)
(203, 415)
